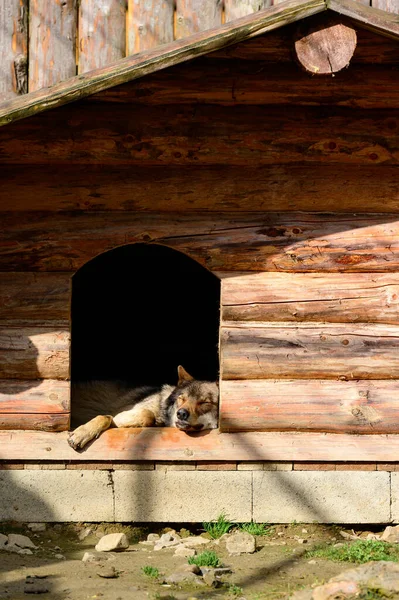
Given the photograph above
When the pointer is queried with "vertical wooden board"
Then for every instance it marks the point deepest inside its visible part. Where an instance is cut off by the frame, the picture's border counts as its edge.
(149, 24)
(197, 15)
(13, 48)
(235, 9)
(102, 33)
(388, 5)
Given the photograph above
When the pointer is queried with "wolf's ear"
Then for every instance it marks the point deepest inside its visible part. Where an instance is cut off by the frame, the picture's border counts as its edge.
(183, 375)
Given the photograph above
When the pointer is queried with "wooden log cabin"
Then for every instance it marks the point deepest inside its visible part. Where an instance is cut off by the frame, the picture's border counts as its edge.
(229, 201)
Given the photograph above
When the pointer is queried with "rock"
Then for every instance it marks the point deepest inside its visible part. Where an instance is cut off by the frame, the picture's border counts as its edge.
(153, 537)
(59, 556)
(183, 550)
(167, 540)
(194, 541)
(37, 527)
(391, 534)
(190, 569)
(112, 541)
(22, 541)
(210, 578)
(108, 573)
(97, 557)
(82, 535)
(3, 541)
(23, 551)
(241, 542)
(184, 577)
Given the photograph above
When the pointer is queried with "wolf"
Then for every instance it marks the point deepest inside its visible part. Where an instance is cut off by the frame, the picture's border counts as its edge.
(190, 406)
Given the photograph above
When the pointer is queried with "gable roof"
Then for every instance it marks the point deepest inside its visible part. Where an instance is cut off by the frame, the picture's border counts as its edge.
(144, 63)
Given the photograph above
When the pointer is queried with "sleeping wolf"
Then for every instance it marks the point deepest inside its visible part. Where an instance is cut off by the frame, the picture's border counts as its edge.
(190, 406)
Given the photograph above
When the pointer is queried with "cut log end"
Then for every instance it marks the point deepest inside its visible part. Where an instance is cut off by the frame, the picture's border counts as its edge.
(325, 49)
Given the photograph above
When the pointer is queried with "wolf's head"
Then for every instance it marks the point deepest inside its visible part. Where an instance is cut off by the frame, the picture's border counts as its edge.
(194, 404)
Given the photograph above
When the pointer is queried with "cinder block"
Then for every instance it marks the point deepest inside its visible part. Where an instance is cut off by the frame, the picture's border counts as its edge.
(394, 496)
(178, 496)
(247, 466)
(322, 496)
(36, 496)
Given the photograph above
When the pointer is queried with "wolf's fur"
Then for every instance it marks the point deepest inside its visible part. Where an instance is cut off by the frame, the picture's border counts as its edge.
(190, 406)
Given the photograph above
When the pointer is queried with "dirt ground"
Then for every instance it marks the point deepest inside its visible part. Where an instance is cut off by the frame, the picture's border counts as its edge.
(277, 568)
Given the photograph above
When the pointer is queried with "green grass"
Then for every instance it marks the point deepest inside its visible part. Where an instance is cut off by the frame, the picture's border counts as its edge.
(149, 571)
(219, 527)
(234, 590)
(360, 551)
(208, 558)
(255, 528)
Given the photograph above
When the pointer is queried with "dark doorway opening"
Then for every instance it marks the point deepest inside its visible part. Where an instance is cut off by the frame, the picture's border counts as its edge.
(139, 311)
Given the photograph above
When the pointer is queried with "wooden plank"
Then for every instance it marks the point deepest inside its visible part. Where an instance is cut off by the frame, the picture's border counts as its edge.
(368, 188)
(310, 405)
(293, 242)
(34, 353)
(235, 9)
(34, 397)
(323, 297)
(378, 21)
(52, 42)
(193, 16)
(159, 58)
(309, 351)
(169, 444)
(390, 6)
(35, 422)
(102, 33)
(149, 24)
(204, 135)
(13, 48)
(35, 297)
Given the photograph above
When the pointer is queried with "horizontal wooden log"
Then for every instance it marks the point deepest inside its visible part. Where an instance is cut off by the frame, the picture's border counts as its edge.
(228, 242)
(309, 351)
(164, 443)
(329, 406)
(368, 188)
(34, 353)
(35, 297)
(203, 135)
(36, 422)
(325, 297)
(259, 83)
(30, 397)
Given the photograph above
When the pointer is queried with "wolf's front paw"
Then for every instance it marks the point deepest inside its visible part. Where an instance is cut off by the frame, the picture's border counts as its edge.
(79, 438)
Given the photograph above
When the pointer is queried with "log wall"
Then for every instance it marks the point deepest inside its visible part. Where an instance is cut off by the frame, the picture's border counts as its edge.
(284, 185)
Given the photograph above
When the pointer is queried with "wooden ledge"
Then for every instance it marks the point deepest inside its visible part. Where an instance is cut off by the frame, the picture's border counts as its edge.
(170, 444)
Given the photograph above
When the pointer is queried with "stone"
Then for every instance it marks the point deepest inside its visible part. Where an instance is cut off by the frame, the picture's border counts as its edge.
(97, 557)
(183, 550)
(184, 577)
(194, 541)
(82, 535)
(241, 542)
(190, 569)
(37, 527)
(59, 556)
(167, 540)
(153, 537)
(111, 542)
(210, 578)
(3, 541)
(24, 551)
(22, 541)
(108, 572)
(391, 534)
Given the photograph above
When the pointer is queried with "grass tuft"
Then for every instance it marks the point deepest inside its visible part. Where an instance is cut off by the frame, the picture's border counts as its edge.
(149, 571)
(208, 558)
(360, 551)
(234, 590)
(255, 528)
(219, 527)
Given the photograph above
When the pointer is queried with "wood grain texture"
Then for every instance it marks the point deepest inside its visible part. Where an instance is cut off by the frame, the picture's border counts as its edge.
(13, 48)
(235, 9)
(193, 16)
(379, 21)
(34, 422)
(52, 42)
(309, 351)
(34, 397)
(164, 443)
(34, 353)
(203, 135)
(391, 6)
(188, 188)
(160, 58)
(323, 297)
(293, 242)
(102, 33)
(33, 298)
(149, 24)
(310, 405)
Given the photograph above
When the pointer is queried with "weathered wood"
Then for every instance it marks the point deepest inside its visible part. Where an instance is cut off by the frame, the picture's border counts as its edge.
(52, 42)
(309, 351)
(325, 297)
(170, 444)
(256, 242)
(36, 422)
(204, 135)
(102, 33)
(378, 21)
(391, 6)
(34, 298)
(34, 353)
(326, 47)
(159, 58)
(235, 9)
(329, 406)
(180, 188)
(193, 16)
(149, 24)
(34, 397)
(13, 48)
